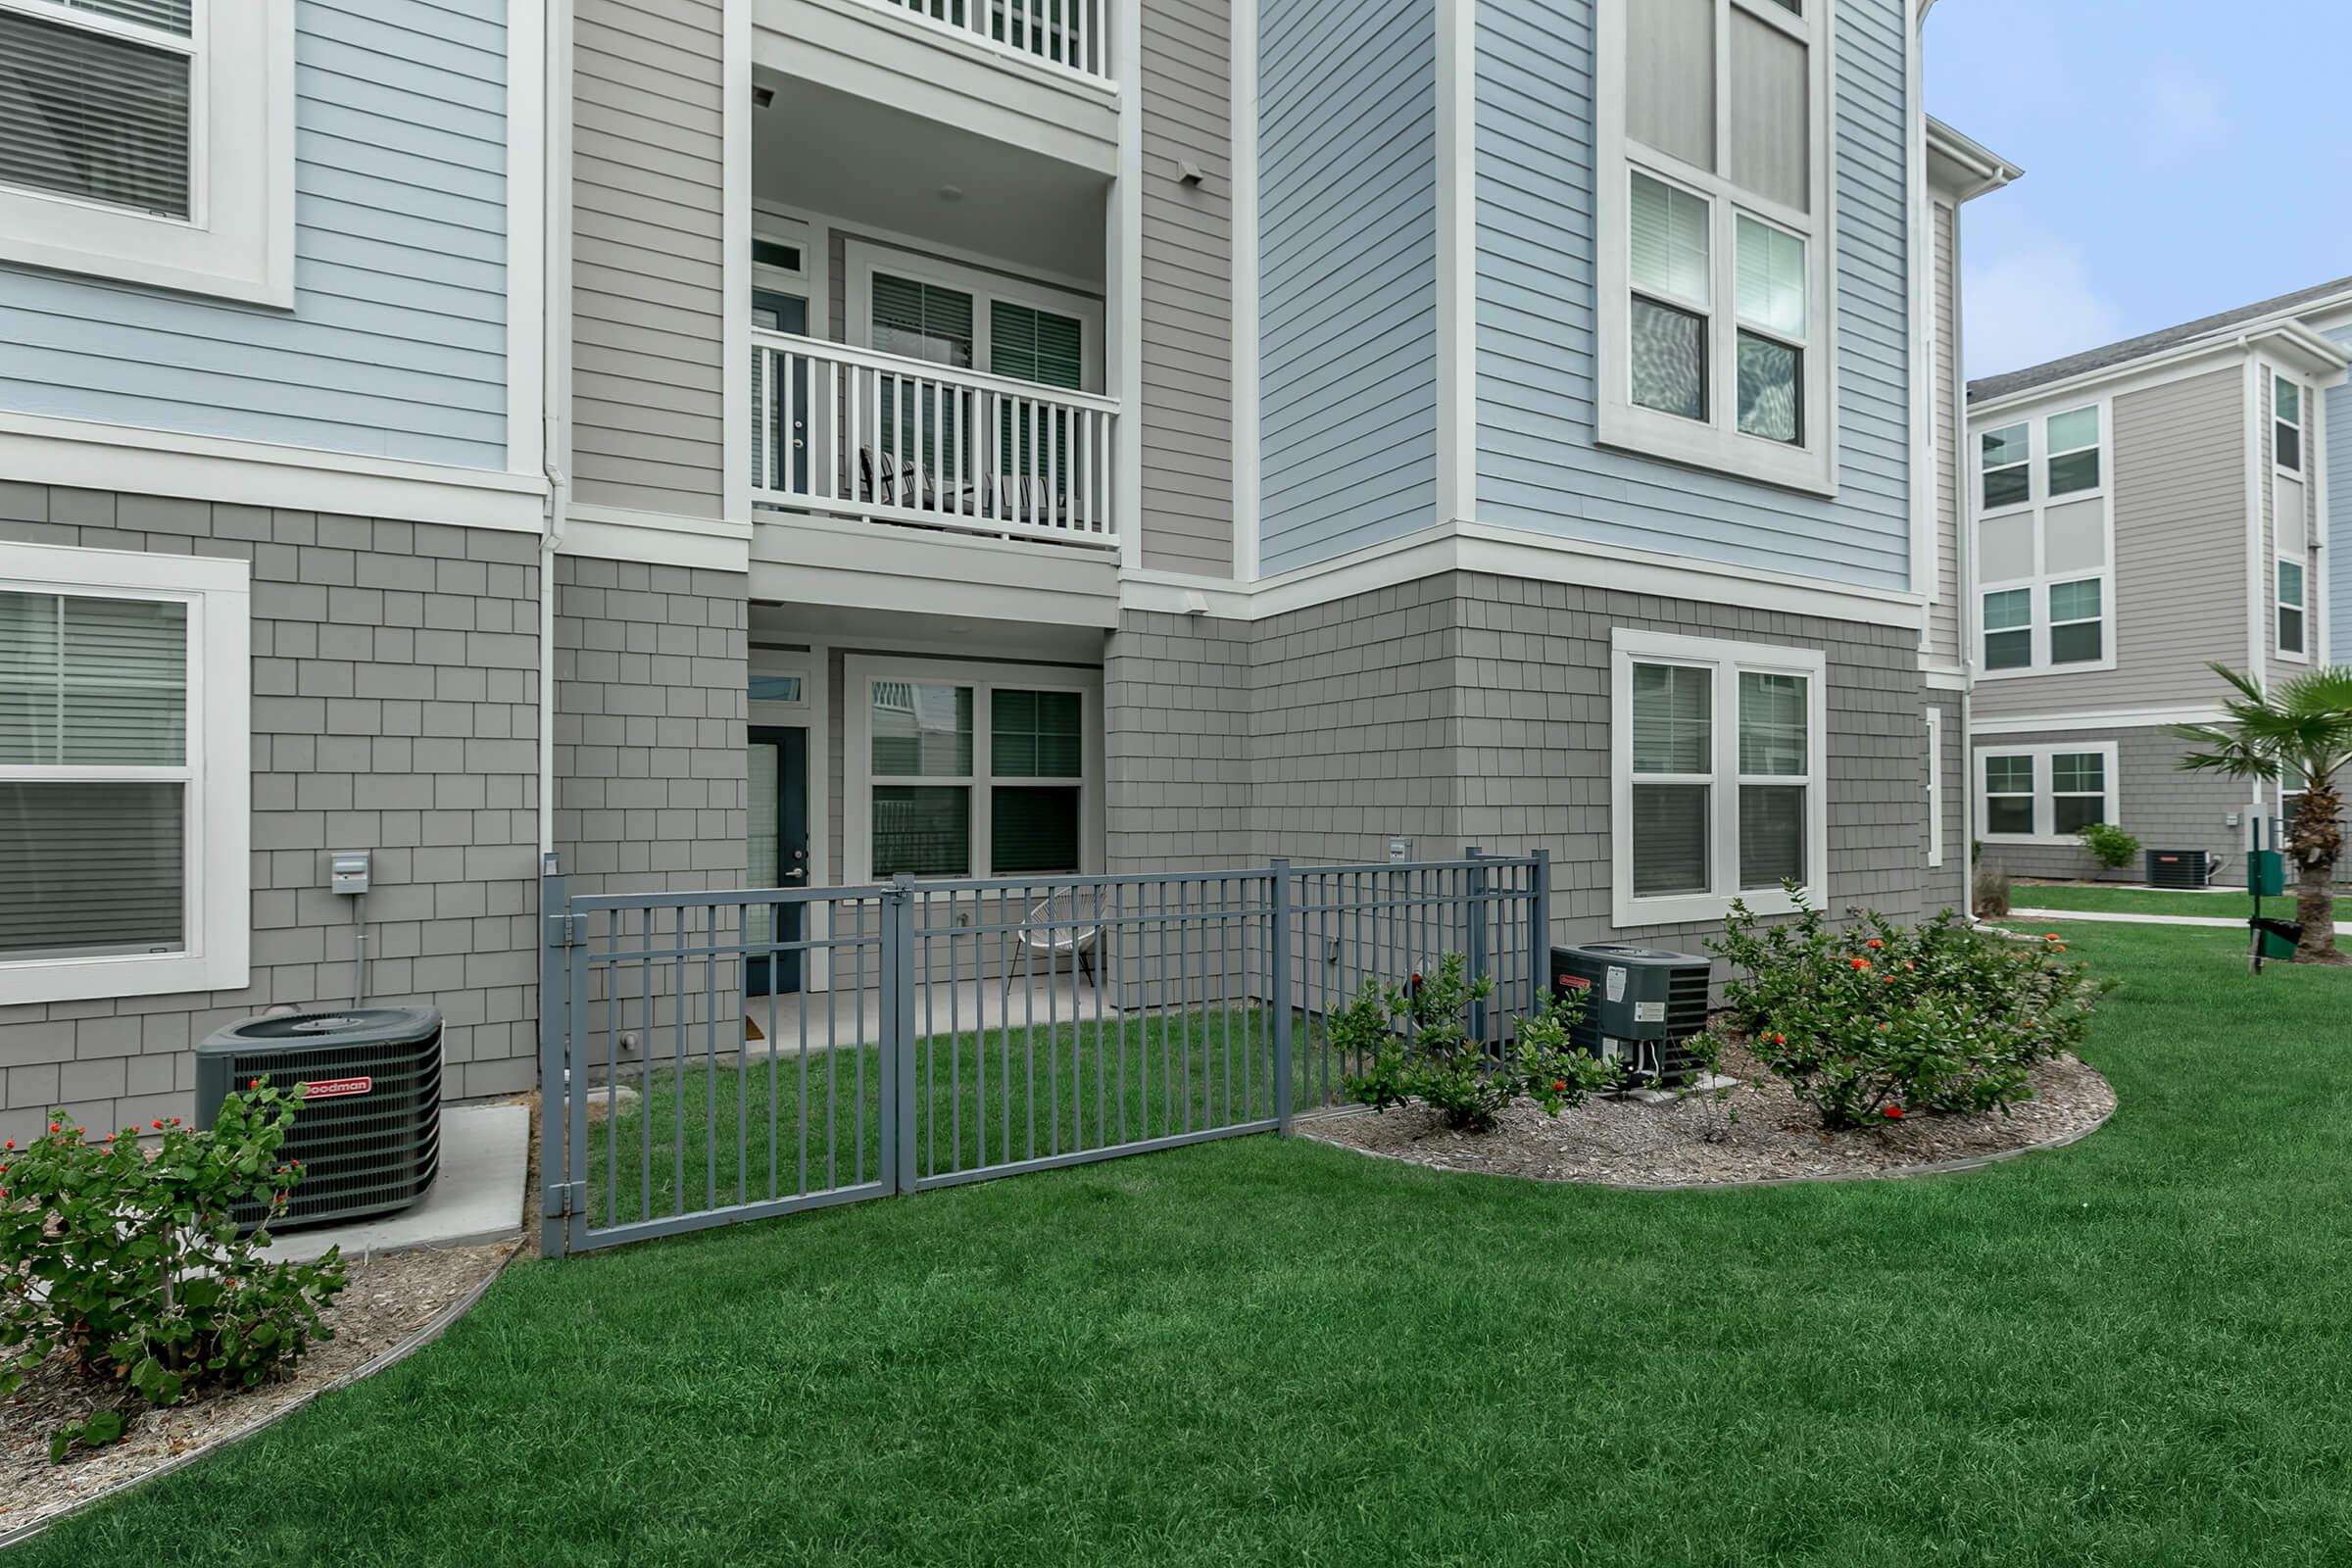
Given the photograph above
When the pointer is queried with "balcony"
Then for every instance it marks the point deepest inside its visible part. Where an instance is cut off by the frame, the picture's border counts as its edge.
(849, 432)
(1069, 34)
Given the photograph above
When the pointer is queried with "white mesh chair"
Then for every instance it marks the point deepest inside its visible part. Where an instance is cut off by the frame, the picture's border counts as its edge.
(1055, 930)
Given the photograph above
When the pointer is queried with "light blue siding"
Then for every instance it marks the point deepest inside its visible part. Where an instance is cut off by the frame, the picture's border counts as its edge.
(396, 345)
(1348, 274)
(2338, 558)
(1539, 466)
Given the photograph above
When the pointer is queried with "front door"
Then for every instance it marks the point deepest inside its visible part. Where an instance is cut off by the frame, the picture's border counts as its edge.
(777, 765)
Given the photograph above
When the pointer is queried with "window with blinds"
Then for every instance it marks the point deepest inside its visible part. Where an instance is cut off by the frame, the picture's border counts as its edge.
(951, 794)
(922, 320)
(1717, 775)
(94, 775)
(95, 102)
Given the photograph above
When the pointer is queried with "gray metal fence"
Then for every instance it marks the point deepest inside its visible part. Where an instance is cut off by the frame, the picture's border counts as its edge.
(707, 1057)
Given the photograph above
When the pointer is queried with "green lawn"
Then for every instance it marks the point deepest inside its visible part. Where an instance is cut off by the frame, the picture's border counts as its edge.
(2221, 904)
(2127, 1352)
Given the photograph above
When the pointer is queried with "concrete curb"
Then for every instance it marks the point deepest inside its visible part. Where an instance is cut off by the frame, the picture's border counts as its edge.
(424, 1336)
(1940, 1168)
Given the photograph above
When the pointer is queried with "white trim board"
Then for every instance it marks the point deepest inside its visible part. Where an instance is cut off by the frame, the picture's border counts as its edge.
(2095, 720)
(1518, 552)
(82, 454)
(526, 234)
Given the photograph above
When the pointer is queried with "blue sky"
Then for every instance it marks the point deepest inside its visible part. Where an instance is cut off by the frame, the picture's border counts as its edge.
(2179, 160)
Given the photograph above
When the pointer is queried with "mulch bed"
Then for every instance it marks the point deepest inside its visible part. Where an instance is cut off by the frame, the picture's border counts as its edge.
(1687, 1142)
(389, 1300)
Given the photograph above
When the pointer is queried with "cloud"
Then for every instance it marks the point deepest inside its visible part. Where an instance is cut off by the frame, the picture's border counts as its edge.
(2030, 301)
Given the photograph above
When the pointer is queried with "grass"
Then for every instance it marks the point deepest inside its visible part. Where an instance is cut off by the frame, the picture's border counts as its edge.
(2221, 903)
(2128, 1351)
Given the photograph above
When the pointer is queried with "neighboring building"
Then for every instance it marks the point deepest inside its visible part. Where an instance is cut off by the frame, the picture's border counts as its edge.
(2144, 511)
(1115, 436)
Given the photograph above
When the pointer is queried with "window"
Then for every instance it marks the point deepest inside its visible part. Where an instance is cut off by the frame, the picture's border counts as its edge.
(124, 752)
(970, 770)
(2046, 794)
(1934, 787)
(2286, 423)
(1717, 786)
(151, 140)
(2044, 545)
(1714, 320)
(925, 308)
(2290, 608)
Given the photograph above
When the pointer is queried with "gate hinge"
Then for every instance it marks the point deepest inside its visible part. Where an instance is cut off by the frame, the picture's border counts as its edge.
(562, 930)
(566, 1198)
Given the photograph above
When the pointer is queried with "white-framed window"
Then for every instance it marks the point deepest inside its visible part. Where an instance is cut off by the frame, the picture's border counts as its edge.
(926, 307)
(124, 786)
(2286, 425)
(1716, 316)
(152, 141)
(960, 769)
(1717, 777)
(1935, 788)
(2292, 581)
(2045, 546)
(2044, 794)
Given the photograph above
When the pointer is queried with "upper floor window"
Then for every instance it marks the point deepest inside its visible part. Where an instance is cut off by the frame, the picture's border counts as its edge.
(152, 141)
(2290, 609)
(2286, 422)
(2044, 545)
(1715, 304)
(124, 759)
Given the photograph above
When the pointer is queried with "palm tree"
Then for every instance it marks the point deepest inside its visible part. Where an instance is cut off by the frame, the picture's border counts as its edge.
(2300, 729)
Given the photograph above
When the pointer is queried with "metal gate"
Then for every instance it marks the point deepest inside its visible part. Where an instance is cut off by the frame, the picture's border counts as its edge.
(904, 1036)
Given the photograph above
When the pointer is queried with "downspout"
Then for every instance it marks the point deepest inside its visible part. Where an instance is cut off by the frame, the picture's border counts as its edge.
(555, 421)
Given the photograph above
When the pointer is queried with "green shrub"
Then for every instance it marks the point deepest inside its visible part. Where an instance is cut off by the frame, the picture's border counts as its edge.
(1989, 891)
(2109, 845)
(1877, 1021)
(129, 1260)
(1415, 1037)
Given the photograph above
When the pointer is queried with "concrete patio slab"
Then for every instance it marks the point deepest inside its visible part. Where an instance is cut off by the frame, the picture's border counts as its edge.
(476, 1198)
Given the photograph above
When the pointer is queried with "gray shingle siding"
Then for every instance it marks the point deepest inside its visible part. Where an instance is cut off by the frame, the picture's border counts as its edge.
(394, 695)
(1465, 708)
(651, 687)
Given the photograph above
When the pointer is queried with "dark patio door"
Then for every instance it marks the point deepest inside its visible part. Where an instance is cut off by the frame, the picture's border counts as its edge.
(773, 312)
(776, 765)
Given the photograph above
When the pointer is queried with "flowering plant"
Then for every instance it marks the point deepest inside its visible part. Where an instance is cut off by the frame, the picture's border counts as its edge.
(130, 1260)
(1877, 1021)
(1414, 1043)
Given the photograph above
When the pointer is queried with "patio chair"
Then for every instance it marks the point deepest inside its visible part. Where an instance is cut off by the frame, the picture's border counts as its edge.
(1053, 929)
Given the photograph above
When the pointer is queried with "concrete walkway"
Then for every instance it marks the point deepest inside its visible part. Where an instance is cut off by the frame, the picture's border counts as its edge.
(2120, 917)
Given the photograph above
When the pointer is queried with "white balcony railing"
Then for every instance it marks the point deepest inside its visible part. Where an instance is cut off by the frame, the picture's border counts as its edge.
(1070, 33)
(848, 432)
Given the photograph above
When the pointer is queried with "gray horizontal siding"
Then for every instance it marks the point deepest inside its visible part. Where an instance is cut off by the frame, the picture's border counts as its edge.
(1540, 467)
(396, 345)
(2181, 556)
(647, 418)
(1348, 275)
(1187, 304)
(1944, 613)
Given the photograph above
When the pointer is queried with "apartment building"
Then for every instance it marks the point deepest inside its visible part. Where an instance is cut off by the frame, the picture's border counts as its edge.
(2146, 509)
(798, 442)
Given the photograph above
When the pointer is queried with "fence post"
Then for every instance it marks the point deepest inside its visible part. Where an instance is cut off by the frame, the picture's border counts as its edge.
(1539, 919)
(555, 1101)
(897, 1031)
(1477, 957)
(1278, 986)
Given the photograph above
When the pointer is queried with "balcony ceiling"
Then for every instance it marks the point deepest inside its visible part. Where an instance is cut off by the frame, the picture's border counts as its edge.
(846, 156)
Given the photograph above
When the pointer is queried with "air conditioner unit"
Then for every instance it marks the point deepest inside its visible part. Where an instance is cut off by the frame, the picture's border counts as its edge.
(2179, 869)
(369, 1133)
(1640, 1003)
